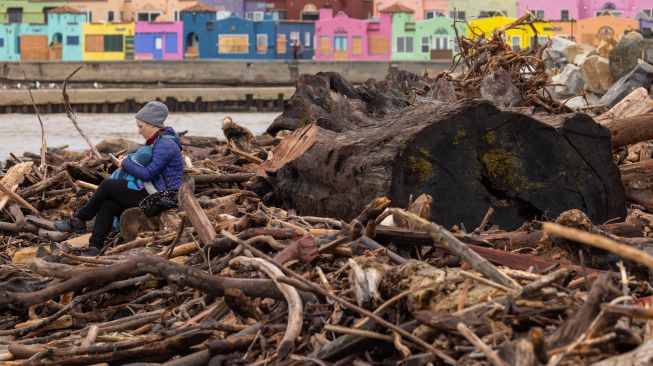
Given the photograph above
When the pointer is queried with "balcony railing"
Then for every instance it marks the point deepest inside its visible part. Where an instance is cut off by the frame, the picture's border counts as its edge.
(410, 27)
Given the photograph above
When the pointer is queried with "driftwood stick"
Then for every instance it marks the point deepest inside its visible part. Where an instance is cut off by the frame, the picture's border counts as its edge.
(194, 212)
(441, 236)
(71, 114)
(304, 283)
(599, 241)
(478, 343)
(90, 336)
(44, 145)
(136, 266)
(18, 199)
(295, 306)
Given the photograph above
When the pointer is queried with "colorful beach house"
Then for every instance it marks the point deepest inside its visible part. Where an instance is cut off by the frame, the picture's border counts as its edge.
(26, 11)
(199, 22)
(65, 26)
(159, 41)
(518, 38)
(567, 10)
(421, 40)
(476, 9)
(592, 30)
(340, 37)
(239, 38)
(424, 9)
(108, 41)
(289, 32)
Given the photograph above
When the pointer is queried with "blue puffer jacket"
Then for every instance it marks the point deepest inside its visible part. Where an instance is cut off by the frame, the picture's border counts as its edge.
(166, 170)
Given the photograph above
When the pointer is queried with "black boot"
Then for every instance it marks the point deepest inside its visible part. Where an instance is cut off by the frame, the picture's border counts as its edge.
(74, 225)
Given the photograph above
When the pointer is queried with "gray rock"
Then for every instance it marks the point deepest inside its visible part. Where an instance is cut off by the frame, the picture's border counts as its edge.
(648, 51)
(580, 102)
(596, 73)
(498, 88)
(623, 58)
(444, 91)
(571, 80)
(642, 76)
(578, 53)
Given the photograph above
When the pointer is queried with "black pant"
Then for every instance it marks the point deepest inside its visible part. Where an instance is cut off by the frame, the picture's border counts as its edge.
(110, 200)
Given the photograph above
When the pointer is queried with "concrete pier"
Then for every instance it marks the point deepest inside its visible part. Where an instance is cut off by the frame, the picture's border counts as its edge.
(215, 72)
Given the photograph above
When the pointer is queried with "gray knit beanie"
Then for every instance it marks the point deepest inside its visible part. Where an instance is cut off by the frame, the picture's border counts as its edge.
(154, 113)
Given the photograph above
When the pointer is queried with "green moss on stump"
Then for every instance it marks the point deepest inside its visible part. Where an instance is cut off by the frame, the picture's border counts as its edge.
(503, 167)
(419, 167)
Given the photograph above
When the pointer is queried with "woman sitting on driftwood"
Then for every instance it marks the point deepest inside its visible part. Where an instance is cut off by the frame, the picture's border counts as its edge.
(165, 172)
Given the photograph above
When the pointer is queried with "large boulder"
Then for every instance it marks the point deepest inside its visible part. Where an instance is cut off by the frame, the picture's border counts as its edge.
(578, 53)
(497, 87)
(623, 58)
(569, 81)
(596, 73)
(641, 76)
(116, 145)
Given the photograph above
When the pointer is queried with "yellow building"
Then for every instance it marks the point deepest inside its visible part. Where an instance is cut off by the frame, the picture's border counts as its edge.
(108, 41)
(517, 38)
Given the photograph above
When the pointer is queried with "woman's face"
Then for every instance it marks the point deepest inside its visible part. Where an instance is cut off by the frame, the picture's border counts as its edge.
(145, 129)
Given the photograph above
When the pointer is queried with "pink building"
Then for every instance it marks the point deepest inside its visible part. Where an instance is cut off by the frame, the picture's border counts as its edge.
(424, 9)
(342, 38)
(159, 41)
(582, 9)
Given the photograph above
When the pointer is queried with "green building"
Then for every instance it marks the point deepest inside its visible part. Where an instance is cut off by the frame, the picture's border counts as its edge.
(422, 40)
(476, 9)
(26, 11)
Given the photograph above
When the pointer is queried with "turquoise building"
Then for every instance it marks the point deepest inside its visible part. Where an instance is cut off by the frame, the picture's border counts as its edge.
(9, 42)
(65, 27)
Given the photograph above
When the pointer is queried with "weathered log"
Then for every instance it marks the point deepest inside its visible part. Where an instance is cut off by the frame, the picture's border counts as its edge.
(194, 212)
(176, 273)
(636, 103)
(630, 130)
(469, 154)
(238, 136)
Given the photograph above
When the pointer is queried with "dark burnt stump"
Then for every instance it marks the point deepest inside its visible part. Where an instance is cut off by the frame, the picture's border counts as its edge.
(468, 155)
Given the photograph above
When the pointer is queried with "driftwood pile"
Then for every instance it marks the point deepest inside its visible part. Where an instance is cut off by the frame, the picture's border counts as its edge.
(256, 268)
(227, 280)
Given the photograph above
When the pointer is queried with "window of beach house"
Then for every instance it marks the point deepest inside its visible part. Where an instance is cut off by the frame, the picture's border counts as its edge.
(538, 13)
(648, 13)
(294, 37)
(340, 43)
(431, 14)
(281, 43)
(540, 40)
(261, 43)
(307, 39)
(233, 43)
(2, 42)
(457, 14)
(94, 43)
(72, 40)
(113, 43)
(404, 44)
(356, 45)
(564, 14)
(110, 16)
(256, 16)
(378, 45)
(425, 44)
(147, 16)
(441, 39)
(325, 45)
(516, 43)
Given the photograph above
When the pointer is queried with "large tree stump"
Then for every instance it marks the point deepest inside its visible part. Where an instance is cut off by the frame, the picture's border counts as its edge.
(467, 155)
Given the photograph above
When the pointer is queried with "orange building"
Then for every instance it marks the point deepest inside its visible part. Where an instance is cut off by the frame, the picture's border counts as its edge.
(592, 30)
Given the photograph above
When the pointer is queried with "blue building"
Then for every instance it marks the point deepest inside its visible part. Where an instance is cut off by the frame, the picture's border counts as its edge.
(292, 32)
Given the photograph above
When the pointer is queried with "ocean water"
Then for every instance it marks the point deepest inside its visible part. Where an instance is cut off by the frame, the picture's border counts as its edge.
(21, 133)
